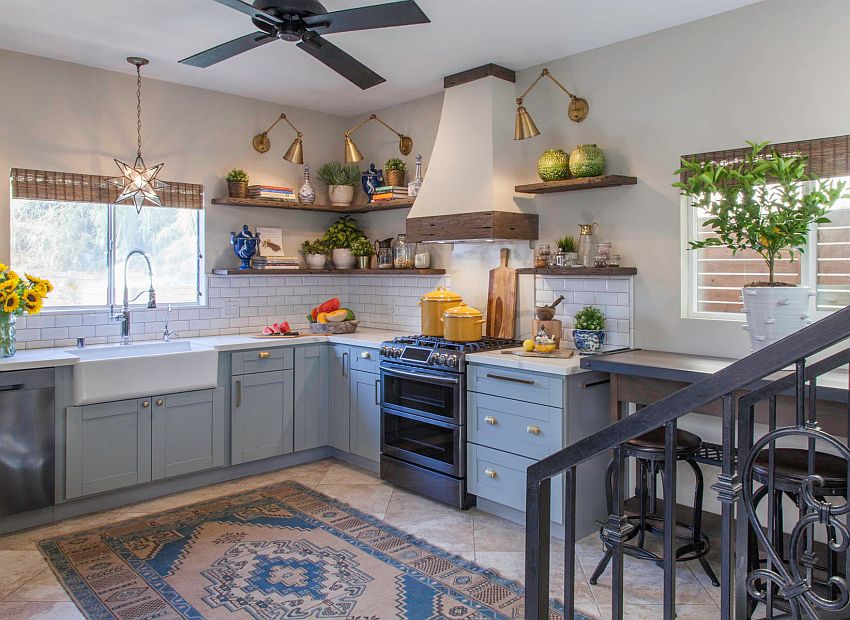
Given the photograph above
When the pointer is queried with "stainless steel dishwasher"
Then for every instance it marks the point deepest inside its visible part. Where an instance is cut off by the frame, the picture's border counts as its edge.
(27, 440)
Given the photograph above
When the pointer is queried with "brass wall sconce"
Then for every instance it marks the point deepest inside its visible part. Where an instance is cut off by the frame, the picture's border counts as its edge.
(525, 127)
(353, 154)
(295, 152)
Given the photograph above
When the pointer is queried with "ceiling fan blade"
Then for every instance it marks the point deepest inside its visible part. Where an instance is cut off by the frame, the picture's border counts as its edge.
(227, 50)
(368, 17)
(346, 65)
(244, 7)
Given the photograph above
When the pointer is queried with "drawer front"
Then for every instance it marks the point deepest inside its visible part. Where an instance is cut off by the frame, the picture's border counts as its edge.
(530, 387)
(364, 359)
(261, 360)
(500, 477)
(528, 429)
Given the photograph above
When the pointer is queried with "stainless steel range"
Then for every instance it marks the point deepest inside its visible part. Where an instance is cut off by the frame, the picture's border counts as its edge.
(423, 414)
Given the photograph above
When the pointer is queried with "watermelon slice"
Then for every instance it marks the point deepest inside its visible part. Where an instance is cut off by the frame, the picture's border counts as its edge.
(267, 331)
(330, 305)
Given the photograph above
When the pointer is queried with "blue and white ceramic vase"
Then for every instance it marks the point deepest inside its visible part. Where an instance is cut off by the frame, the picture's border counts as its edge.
(588, 340)
(307, 194)
(371, 179)
(245, 246)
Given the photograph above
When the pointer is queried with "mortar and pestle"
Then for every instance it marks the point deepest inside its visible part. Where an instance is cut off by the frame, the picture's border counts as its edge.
(547, 312)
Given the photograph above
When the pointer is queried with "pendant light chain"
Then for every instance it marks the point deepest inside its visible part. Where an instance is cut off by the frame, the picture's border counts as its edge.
(139, 110)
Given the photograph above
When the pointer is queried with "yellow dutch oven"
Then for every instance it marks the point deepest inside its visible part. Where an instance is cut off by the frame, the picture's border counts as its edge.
(462, 323)
(432, 305)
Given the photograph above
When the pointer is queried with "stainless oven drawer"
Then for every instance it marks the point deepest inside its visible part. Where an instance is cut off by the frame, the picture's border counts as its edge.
(531, 387)
(424, 442)
(423, 392)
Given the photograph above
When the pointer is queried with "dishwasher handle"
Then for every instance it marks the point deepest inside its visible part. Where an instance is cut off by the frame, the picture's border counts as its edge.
(12, 388)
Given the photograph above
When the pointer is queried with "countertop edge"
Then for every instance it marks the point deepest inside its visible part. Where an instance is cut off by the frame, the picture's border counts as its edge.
(554, 366)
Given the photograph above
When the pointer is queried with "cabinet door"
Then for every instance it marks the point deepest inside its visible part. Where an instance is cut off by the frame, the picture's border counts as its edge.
(311, 397)
(340, 370)
(187, 433)
(261, 415)
(108, 446)
(365, 415)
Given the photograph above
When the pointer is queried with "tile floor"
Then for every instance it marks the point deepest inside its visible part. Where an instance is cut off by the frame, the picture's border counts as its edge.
(29, 591)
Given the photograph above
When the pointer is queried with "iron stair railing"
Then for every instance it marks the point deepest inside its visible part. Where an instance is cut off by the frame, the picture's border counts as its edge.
(782, 584)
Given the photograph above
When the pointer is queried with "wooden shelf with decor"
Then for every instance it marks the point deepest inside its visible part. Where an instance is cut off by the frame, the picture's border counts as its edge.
(369, 207)
(328, 272)
(572, 185)
(579, 271)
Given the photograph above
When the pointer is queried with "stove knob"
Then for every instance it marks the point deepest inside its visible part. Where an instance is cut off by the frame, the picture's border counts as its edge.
(433, 358)
(397, 352)
(383, 350)
(443, 359)
(452, 360)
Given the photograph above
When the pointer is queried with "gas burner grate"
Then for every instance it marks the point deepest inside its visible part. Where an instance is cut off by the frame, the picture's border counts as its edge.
(485, 344)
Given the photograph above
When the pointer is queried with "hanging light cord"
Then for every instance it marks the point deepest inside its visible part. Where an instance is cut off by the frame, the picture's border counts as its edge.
(139, 110)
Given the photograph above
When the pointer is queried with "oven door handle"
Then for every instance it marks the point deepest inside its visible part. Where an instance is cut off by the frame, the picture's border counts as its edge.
(421, 376)
(418, 418)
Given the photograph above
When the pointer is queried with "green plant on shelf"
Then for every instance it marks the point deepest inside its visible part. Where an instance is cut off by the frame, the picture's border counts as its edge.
(589, 318)
(317, 246)
(342, 233)
(567, 243)
(237, 175)
(362, 247)
(394, 163)
(335, 173)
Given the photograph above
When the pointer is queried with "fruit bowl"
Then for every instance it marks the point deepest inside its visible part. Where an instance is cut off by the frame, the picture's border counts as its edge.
(322, 328)
(345, 327)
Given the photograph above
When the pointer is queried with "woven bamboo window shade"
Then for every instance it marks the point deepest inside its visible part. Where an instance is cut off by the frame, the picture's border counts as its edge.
(69, 187)
(828, 157)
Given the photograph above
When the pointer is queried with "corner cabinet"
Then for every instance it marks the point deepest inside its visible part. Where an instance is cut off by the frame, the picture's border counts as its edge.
(355, 395)
(365, 423)
(339, 435)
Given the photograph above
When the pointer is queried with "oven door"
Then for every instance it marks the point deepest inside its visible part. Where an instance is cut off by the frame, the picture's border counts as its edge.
(423, 392)
(423, 441)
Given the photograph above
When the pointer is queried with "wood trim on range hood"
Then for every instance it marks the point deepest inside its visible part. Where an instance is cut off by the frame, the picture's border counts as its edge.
(477, 226)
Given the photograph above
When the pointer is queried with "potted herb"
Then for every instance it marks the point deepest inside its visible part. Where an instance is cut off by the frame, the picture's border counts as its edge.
(589, 329)
(760, 204)
(341, 181)
(339, 238)
(394, 171)
(363, 249)
(237, 183)
(567, 253)
(315, 253)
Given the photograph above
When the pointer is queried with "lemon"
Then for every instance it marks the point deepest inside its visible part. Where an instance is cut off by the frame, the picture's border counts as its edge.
(528, 345)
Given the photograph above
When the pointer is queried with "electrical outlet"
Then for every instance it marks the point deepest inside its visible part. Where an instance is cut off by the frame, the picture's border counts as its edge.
(231, 310)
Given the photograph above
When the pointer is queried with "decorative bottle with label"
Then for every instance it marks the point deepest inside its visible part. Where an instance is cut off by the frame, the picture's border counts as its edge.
(307, 194)
(416, 184)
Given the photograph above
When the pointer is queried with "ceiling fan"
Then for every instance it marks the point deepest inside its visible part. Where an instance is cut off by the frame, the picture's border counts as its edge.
(306, 21)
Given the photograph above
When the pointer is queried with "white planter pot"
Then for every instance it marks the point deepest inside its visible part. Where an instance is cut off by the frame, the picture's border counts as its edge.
(315, 261)
(340, 195)
(343, 258)
(774, 312)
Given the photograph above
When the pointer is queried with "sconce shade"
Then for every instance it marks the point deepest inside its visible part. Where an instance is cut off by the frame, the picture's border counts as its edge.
(295, 153)
(524, 127)
(352, 153)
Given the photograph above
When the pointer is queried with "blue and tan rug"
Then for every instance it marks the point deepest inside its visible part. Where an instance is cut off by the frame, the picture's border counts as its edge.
(283, 551)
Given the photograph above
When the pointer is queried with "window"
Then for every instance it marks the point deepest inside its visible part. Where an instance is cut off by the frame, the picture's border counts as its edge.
(62, 228)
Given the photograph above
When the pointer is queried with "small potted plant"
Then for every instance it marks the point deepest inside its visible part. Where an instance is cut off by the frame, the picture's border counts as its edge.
(339, 238)
(315, 253)
(341, 181)
(567, 253)
(363, 249)
(589, 329)
(394, 171)
(237, 183)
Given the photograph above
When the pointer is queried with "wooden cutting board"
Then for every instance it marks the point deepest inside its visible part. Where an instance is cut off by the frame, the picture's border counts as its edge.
(501, 299)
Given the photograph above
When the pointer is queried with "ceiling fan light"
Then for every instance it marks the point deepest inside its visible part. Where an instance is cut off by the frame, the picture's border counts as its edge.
(352, 153)
(524, 126)
(295, 153)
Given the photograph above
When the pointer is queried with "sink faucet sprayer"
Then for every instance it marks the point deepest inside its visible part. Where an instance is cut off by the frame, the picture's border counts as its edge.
(124, 316)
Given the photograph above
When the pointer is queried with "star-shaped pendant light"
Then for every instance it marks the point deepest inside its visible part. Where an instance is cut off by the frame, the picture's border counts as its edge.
(138, 182)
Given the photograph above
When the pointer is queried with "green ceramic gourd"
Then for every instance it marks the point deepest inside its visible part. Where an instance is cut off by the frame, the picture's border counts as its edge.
(553, 165)
(587, 160)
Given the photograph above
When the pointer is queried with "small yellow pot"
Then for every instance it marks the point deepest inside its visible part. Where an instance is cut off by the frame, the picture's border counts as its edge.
(432, 305)
(462, 323)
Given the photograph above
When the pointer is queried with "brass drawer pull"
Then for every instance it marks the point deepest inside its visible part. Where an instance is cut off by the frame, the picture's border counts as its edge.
(146, 404)
(159, 402)
(366, 355)
(534, 430)
(490, 420)
(513, 379)
(491, 473)
(263, 355)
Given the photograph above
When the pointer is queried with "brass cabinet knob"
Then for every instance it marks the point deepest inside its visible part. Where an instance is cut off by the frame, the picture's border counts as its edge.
(366, 355)
(263, 355)
(146, 404)
(491, 473)
(534, 430)
(159, 402)
(490, 420)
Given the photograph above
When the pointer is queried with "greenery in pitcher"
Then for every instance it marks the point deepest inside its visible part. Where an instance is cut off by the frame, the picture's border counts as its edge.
(589, 318)
(761, 203)
(335, 173)
(236, 175)
(317, 246)
(567, 243)
(342, 233)
(362, 247)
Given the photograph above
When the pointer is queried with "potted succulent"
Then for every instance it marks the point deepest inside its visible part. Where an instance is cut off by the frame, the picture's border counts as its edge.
(363, 249)
(589, 329)
(567, 253)
(341, 181)
(237, 183)
(759, 204)
(394, 171)
(339, 238)
(315, 253)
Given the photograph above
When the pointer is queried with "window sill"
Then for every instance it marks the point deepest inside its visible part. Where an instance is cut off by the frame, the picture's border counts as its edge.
(97, 309)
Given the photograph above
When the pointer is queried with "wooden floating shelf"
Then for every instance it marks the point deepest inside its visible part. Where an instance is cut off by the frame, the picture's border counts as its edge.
(580, 271)
(369, 207)
(572, 185)
(328, 272)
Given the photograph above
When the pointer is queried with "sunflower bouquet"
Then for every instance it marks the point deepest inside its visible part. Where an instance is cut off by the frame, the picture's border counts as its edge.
(18, 296)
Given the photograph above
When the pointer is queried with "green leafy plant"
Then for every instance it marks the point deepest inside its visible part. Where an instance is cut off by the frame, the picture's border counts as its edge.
(589, 318)
(758, 203)
(236, 175)
(394, 163)
(567, 243)
(335, 173)
(342, 233)
(362, 247)
(317, 246)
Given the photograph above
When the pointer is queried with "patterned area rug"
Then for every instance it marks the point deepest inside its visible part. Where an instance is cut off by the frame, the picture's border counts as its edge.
(283, 551)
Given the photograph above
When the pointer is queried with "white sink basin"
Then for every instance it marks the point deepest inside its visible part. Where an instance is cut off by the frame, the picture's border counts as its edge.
(117, 372)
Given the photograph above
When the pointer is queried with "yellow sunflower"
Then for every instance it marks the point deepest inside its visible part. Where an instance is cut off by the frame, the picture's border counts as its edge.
(40, 283)
(12, 302)
(3, 267)
(33, 301)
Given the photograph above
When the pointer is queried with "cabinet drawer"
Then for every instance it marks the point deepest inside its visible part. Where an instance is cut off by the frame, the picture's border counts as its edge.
(500, 477)
(528, 429)
(364, 359)
(522, 385)
(261, 360)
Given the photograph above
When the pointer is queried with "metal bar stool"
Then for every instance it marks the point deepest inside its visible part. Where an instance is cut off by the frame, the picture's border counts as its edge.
(648, 450)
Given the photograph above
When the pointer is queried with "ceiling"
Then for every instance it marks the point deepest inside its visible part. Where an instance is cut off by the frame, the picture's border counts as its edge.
(463, 34)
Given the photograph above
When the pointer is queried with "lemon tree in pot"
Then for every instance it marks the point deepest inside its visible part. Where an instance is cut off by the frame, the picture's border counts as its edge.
(341, 181)
(589, 329)
(339, 238)
(765, 203)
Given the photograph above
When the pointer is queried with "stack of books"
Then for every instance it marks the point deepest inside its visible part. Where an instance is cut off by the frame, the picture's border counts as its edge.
(272, 192)
(275, 262)
(389, 192)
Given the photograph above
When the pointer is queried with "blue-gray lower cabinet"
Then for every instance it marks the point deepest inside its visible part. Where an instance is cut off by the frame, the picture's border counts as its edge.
(312, 402)
(339, 435)
(261, 415)
(365, 409)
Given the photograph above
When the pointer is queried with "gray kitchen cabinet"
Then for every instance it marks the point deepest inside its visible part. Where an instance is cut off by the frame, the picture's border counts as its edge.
(261, 415)
(188, 433)
(312, 400)
(340, 394)
(365, 410)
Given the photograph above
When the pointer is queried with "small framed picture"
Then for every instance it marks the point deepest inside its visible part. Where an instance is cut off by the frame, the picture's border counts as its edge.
(271, 242)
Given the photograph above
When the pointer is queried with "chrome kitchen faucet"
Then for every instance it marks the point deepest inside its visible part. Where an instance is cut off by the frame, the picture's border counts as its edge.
(124, 316)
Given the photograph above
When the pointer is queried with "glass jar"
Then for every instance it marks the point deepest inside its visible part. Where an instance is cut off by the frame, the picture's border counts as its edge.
(613, 260)
(384, 253)
(7, 334)
(422, 258)
(543, 257)
(403, 253)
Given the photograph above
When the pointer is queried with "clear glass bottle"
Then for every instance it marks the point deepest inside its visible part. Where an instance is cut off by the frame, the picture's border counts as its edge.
(422, 257)
(544, 256)
(403, 253)
(586, 244)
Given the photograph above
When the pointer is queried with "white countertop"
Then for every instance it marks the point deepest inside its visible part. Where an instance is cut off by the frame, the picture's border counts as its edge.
(549, 365)
(38, 358)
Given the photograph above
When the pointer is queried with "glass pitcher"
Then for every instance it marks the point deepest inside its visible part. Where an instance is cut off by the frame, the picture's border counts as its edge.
(587, 244)
(384, 253)
(403, 253)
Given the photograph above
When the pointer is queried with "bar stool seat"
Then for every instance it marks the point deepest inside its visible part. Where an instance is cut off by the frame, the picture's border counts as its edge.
(791, 466)
(653, 441)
